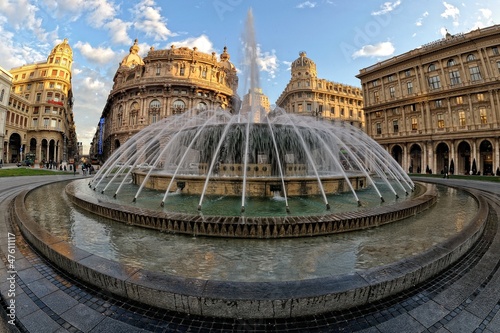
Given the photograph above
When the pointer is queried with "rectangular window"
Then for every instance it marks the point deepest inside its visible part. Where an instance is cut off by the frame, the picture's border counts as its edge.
(482, 115)
(392, 92)
(378, 114)
(494, 49)
(407, 73)
(54, 72)
(376, 97)
(158, 70)
(409, 87)
(480, 97)
(434, 82)
(498, 66)
(475, 74)
(395, 126)
(309, 107)
(35, 122)
(390, 78)
(438, 103)
(300, 108)
(461, 118)
(460, 100)
(374, 83)
(181, 72)
(379, 128)
(414, 124)
(440, 120)
(454, 78)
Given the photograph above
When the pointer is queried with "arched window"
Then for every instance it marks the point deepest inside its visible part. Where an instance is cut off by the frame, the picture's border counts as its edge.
(471, 57)
(451, 62)
(154, 105)
(432, 67)
(178, 106)
(202, 106)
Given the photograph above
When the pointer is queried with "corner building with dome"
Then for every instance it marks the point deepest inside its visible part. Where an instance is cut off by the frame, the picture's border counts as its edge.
(165, 83)
(308, 95)
(39, 123)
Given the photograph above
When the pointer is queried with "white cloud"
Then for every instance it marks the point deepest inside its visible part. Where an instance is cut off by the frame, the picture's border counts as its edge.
(148, 19)
(307, 4)
(387, 7)
(486, 13)
(420, 19)
(288, 65)
(101, 11)
(267, 62)
(450, 11)
(378, 50)
(118, 31)
(22, 15)
(98, 55)
(203, 43)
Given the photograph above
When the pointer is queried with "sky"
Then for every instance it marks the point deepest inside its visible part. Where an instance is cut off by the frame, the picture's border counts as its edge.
(340, 36)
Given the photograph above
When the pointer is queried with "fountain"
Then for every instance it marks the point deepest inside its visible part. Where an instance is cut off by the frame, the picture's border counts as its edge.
(168, 176)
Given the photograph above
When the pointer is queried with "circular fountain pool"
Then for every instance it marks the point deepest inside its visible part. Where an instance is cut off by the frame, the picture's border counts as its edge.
(249, 260)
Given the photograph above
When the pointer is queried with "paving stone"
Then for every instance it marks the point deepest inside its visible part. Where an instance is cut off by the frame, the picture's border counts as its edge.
(429, 313)
(42, 287)
(463, 323)
(40, 322)
(82, 317)
(401, 324)
(111, 325)
(59, 301)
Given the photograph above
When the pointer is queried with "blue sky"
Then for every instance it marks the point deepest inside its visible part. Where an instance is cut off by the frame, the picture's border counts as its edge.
(340, 36)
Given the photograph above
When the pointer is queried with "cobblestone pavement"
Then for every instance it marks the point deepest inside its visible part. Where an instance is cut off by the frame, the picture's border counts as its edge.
(464, 298)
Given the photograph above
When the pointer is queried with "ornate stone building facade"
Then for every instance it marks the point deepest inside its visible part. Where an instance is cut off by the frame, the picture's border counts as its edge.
(438, 107)
(5, 87)
(306, 94)
(39, 119)
(164, 83)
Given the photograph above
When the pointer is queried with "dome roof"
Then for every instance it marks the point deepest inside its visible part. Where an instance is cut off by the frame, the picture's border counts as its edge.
(303, 61)
(224, 60)
(62, 48)
(133, 58)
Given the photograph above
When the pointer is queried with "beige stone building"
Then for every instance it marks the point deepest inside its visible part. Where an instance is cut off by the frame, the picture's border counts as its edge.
(39, 119)
(165, 83)
(306, 94)
(5, 87)
(437, 107)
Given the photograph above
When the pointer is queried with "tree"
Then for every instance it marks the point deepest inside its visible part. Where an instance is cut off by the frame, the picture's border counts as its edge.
(452, 167)
(474, 167)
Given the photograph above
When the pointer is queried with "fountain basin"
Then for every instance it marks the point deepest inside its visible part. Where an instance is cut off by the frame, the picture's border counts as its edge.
(276, 299)
(255, 227)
